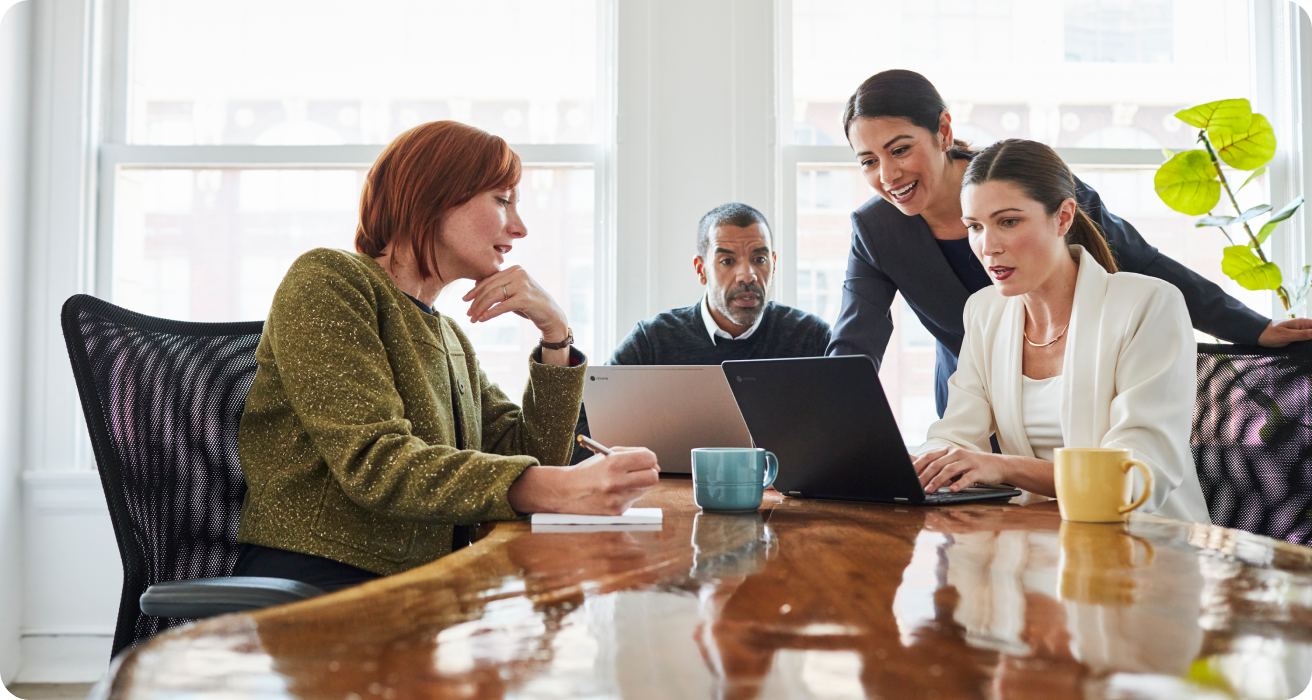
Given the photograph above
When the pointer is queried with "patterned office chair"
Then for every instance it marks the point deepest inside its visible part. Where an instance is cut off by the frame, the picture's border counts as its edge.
(1252, 438)
(163, 400)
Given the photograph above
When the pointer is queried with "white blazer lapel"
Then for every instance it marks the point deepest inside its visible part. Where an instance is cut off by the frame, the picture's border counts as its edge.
(1082, 424)
(1006, 380)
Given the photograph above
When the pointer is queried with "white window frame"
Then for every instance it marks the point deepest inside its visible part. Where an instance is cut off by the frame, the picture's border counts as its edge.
(1275, 37)
(66, 98)
(79, 129)
(116, 153)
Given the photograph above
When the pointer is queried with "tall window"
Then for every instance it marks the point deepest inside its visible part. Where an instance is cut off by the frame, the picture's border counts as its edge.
(244, 130)
(1097, 79)
(1120, 31)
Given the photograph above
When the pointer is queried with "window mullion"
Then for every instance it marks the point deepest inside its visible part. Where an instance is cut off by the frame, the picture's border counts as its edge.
(315, 156)
(786, 276)
(117, 97)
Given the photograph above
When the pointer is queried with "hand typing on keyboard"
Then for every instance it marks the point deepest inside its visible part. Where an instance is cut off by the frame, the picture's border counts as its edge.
(952, 469)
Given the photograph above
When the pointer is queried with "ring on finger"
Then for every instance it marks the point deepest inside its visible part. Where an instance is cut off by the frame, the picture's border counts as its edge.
(504, 295)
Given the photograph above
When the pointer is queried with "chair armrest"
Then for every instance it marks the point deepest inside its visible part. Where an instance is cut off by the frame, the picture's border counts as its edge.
(205, 597)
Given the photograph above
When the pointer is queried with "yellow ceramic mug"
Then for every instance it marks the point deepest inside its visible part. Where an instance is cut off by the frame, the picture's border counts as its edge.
(1094, 484)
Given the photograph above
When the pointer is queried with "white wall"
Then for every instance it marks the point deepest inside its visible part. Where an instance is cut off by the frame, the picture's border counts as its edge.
(15, 72)
(695, 130)
(72, 577)
(72, 573)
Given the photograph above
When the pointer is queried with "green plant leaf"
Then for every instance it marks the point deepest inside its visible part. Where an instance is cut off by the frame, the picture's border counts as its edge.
(1225, 116)
(1285, 211)
(1246, 150)
(1270, 225)
(1256, 174)
(1242, 265)
(1232, 220)
(1168, 153)
(1265, 232)
(1187, 183)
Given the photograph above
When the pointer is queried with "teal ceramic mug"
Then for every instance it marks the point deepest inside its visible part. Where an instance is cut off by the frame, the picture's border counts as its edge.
(731, 479)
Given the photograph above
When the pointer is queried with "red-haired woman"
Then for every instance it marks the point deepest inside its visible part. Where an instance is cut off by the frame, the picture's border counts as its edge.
(370, 432)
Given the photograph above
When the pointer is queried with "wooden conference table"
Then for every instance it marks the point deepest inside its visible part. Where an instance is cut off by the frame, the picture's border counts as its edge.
(803, 599)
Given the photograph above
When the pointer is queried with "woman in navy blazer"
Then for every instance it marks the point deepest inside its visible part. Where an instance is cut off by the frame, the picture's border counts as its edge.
(910, 239)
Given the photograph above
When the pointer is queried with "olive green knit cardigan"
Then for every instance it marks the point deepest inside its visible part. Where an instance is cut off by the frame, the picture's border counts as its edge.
(349, 439)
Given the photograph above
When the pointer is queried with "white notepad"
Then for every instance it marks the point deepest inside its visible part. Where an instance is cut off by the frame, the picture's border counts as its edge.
(574, 529)
(632, 516)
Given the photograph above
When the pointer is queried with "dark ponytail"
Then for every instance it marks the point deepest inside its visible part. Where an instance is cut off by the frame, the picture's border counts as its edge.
(902, 94)
(1040, 173)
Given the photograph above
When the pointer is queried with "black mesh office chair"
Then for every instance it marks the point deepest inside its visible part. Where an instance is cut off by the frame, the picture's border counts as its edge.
(163, 400)
(1252, 438)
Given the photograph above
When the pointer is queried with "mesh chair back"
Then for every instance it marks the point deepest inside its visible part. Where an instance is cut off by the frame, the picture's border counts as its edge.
(163, 400)
(1252, 438)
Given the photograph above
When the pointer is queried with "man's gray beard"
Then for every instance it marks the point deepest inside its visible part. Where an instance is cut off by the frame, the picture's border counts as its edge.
(739, 315)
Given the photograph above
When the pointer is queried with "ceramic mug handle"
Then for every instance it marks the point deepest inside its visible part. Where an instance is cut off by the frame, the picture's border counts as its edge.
(771, 469)
(1147, 484)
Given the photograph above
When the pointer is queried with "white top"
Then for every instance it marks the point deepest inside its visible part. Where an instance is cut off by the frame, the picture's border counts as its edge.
(714, 329)
(1041, 413)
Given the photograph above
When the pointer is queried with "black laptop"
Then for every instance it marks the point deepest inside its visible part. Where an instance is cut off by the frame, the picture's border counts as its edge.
(828, 422)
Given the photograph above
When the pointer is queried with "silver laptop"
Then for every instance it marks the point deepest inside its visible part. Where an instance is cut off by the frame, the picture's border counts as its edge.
(669, 409)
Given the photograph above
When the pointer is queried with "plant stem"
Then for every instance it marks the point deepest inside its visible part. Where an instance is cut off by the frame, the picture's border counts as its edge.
(1220, 174)
(1202, 136)
(1224, 232)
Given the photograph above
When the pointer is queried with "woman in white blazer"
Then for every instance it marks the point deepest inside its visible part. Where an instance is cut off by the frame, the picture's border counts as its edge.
(1062, 350)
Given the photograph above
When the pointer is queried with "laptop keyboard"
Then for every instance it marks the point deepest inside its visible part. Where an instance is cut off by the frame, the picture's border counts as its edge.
(946, 494)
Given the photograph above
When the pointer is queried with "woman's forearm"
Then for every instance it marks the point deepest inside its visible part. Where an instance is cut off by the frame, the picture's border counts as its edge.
(559, 358)
(537, 490)
(1028, 473)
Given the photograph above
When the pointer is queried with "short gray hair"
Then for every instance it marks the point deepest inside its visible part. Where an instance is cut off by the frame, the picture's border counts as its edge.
(732, 214)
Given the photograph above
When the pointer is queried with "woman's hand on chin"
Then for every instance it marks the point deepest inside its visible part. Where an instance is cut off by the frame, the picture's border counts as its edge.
(957, 469)
(512, 289)
(600, 485)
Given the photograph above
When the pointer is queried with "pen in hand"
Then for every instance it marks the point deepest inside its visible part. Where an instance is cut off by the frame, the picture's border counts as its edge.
(593, 445)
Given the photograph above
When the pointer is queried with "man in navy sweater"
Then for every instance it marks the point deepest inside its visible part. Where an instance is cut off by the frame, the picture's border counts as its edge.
(735, 319)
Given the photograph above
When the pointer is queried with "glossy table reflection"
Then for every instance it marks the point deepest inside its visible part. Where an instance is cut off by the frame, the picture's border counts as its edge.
(805, 599)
